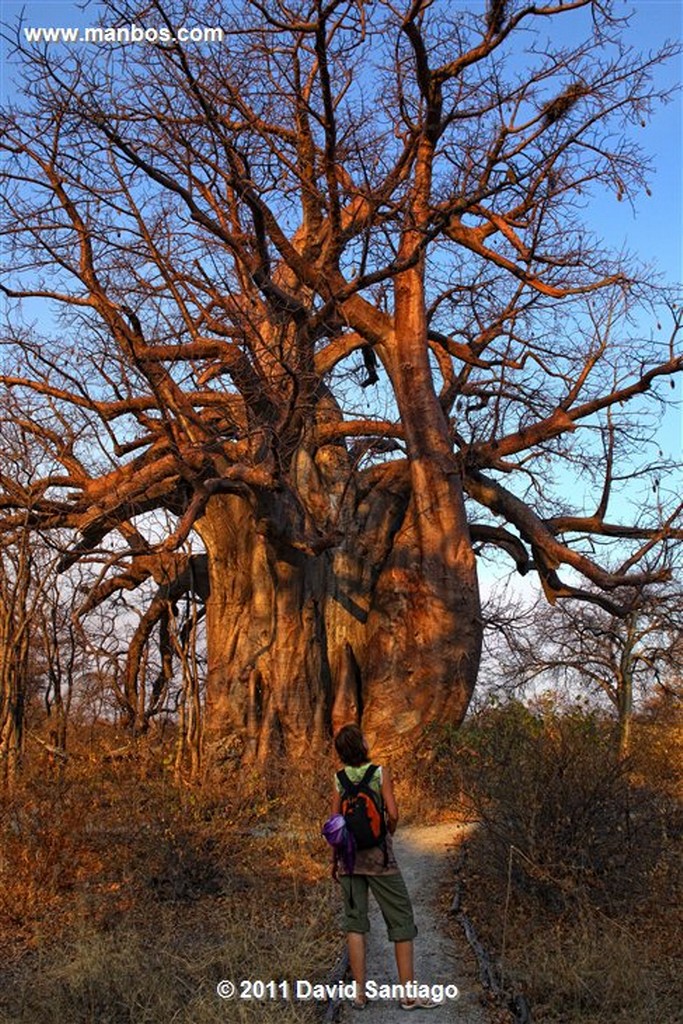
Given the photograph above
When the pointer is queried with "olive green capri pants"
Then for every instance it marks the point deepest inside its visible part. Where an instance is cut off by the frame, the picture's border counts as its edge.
(393, 899)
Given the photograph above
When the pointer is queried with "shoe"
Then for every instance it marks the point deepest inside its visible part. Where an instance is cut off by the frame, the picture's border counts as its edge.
(359, 1004)
(419, 1004)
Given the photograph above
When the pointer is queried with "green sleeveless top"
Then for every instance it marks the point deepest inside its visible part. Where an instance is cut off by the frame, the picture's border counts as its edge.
(356, 774)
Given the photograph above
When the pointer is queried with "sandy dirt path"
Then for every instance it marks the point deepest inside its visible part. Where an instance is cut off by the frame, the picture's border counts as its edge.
(423, 854)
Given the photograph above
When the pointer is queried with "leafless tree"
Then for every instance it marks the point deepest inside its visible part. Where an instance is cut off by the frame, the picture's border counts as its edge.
(584, 648)
(54, 638)
(329, 298)
(27, 575)
(15, 614)
(185, 642)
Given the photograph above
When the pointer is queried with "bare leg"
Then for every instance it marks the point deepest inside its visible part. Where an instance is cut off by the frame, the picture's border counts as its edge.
(404, 961)
(356, 945)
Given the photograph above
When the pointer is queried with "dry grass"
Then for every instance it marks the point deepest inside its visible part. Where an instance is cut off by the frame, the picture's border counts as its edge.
(596, 970)
(124, 899)
(575, 879)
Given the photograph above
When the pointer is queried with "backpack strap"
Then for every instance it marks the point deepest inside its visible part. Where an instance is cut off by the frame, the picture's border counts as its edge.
(349, 787)
(372, 768)
(365, 781)
(353, 787)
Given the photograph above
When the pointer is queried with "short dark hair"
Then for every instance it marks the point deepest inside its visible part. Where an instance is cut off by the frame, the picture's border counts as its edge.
(351, 746)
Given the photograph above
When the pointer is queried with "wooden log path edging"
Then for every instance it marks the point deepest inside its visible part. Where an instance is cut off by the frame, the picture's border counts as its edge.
(490, 973)
(336, 975)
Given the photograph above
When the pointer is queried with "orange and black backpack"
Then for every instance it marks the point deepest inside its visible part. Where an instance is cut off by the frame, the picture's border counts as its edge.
(363, 810)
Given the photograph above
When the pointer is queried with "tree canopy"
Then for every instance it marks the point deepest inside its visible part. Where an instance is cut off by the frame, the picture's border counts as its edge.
(327, 294)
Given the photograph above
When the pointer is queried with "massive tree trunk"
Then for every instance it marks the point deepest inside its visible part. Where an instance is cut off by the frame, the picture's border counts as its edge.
(268, 678)
(425, 628)
(383, 627)
(299, 644)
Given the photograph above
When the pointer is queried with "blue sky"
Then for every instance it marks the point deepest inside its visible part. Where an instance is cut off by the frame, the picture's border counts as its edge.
(655, 230)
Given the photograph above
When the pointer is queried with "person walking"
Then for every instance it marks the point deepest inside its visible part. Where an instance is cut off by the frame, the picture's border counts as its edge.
(364, 795)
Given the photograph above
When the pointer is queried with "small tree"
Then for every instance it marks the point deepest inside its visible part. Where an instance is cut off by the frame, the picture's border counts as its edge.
(27, 599)
(584, 647)
(16, 600)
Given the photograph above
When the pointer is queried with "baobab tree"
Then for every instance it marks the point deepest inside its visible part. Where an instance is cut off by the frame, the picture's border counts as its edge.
(329, 300)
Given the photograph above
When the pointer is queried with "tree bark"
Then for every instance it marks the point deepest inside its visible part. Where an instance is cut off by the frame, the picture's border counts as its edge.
(375, 630)
(13, 681)
(267, 679)
(625, 699)
(425, 632)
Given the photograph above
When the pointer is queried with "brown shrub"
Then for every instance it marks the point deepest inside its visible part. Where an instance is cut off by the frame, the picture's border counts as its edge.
(125, 898)
(574, 878)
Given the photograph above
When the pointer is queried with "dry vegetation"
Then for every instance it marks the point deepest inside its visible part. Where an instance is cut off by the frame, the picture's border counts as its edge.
(574, 882)
(123, 899)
